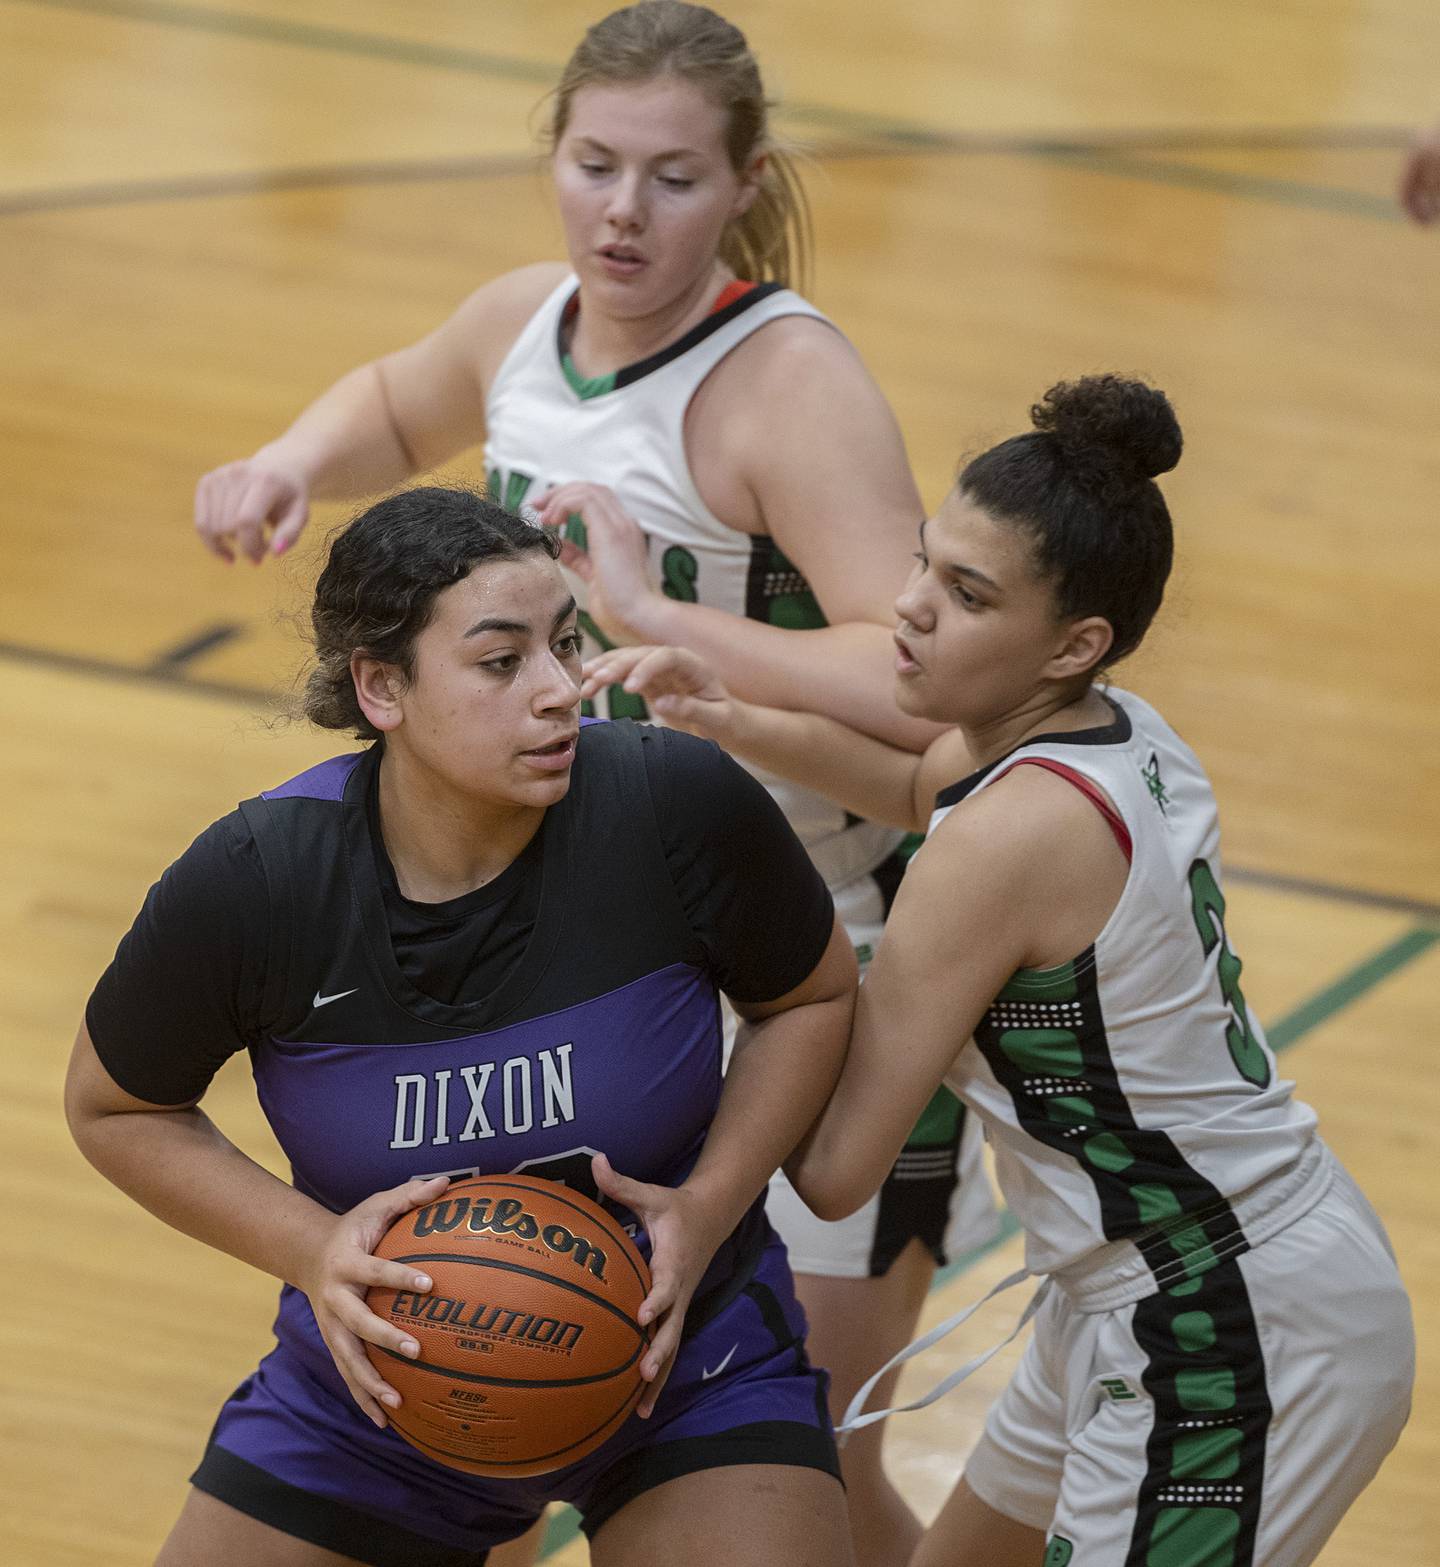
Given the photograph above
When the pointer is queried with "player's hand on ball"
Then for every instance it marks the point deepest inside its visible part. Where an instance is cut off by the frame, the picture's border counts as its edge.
(342, 1269)
(677, 685)
(613, 562)
(683, 1239)
(238, 505)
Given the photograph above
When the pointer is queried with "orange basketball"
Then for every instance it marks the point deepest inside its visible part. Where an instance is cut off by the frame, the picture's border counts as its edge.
(529, 1345)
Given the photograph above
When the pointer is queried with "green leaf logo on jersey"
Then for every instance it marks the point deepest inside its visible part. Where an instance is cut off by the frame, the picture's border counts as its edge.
(1156, 784)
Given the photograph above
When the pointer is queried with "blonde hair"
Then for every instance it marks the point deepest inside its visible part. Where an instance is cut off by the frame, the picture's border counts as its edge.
(772, 239)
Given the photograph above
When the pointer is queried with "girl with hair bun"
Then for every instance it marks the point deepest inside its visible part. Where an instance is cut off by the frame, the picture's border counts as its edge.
(670, 361)
(1223, 1351)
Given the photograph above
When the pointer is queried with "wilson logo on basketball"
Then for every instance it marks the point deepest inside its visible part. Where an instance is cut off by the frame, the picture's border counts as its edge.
(500, 1320)
(508, 1216)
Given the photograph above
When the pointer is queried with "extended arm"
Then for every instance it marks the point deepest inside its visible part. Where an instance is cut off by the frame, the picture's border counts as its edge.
(401, 414)
(866, 775)
(1022, 875)
(174, 1162)
(785, 1062)
(789, 437)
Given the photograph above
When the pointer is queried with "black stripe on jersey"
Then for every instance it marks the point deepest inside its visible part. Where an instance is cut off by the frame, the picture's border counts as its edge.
(1045, 1039)
(1103, 734)
(777, 592)
(1205, 1457)
(627, 375)
(772, 1314)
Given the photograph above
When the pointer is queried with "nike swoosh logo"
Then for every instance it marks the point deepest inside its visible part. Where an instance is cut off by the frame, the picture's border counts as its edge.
(706, 1374)
(324, 1001)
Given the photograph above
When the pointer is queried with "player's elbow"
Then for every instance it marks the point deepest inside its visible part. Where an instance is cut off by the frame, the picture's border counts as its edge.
(829, 1195)
(832, 1208)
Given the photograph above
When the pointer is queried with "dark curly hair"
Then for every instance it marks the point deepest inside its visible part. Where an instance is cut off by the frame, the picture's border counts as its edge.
(385, 570)
(1082, 486)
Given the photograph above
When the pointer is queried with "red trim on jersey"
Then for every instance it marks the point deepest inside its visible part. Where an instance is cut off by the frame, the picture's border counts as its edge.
(736, 289)
(729, 294)
(1082, 783)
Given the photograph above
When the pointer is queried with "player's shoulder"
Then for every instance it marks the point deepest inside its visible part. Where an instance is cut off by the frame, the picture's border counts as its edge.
(795, 386)
(228, 841)
(220, 869)
(1022, 826)
(522, 291)
(660, 750)
(495, 314)
(795, 343)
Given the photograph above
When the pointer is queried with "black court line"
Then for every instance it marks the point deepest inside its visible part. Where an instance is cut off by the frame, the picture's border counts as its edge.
(175, 659)
(172, 677)
(1101, 152)
(1092, 157)
(545, 73)
(309, 35)
(262, 182)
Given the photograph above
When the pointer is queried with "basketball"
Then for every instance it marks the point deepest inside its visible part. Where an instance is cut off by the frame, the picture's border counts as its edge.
(529, 1344)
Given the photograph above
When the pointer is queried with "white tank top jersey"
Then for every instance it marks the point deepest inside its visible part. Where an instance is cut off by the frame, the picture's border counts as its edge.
(547, 425)
(1140, 1131)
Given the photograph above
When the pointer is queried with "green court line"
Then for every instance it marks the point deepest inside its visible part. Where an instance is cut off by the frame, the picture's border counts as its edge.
(1350, 987)
(1291, 1028)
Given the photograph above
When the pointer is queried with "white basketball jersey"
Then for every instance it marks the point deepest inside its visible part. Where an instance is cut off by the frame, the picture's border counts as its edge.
(1129, 1094)
(547, 426)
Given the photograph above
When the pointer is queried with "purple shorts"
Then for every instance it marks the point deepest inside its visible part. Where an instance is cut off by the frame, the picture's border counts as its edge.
(292, 1449)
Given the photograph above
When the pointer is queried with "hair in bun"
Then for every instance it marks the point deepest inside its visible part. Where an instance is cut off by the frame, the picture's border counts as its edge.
(1082, 485)
(1115, 429)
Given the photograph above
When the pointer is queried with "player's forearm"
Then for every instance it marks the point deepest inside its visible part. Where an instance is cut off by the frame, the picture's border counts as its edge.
(867, 776)
(848, 1150)
(844, 671)
(346, 444)
(181, 1168)
(781, 1071)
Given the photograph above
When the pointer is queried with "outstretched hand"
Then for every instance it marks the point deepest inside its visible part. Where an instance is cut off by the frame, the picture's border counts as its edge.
(237, 505)
(678, 686)
(613, 562)
(683, 1239)
(340, 1272)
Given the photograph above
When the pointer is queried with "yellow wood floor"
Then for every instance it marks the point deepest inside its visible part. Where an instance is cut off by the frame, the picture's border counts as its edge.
(210, 208)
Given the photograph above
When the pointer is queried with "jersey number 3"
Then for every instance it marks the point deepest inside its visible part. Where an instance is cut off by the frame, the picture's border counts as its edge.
(1207, 904)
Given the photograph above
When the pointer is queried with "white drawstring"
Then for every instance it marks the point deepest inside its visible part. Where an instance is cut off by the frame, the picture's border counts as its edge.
(855, 1421)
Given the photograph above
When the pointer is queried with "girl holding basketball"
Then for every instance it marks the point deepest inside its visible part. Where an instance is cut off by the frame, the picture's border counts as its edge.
(492, 941)
(670, 361)
(1223, 1351)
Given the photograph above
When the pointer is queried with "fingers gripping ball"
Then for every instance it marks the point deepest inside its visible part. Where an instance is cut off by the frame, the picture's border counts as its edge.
(529, 1344)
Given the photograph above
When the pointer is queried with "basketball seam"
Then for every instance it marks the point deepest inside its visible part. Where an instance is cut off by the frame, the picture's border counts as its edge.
(560, 1194)
(517, 1267)
(522, 1382)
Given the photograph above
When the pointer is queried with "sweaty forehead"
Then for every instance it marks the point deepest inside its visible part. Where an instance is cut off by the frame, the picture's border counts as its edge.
(527, 589)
